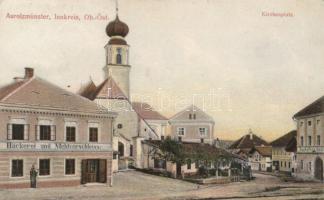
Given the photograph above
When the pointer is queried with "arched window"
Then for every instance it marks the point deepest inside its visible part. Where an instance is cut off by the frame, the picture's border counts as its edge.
(119, 56)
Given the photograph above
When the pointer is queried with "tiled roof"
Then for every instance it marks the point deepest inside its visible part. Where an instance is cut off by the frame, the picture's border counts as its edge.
(313, 108)
(191, 148)
(36, 92)
(248, 141)
(108, 89)
(292, 145)
(147, 112)
(263, 150)
(284, 140)
(6, 90)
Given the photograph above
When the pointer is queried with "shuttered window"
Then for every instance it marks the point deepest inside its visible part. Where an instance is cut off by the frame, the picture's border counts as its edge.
(93, 134)
(45, 132)
(18, 131)
(70, 134)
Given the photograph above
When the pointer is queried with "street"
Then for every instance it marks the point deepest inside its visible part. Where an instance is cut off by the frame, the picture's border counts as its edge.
(136, 185)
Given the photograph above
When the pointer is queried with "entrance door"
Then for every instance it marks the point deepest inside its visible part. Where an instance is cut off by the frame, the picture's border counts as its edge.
(319, 169)
(178, 165)
(94, 170)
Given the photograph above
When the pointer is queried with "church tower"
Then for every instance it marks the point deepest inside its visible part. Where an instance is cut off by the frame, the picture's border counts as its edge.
(117, 55)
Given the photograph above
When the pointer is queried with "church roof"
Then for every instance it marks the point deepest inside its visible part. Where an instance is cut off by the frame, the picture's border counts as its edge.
(108, 89)
(34, 92)
(284, 140)
(314, 108)
(248, 142)
(147, 112)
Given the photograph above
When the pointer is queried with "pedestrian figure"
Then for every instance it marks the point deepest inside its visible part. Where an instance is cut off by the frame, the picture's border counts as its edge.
(33, 175)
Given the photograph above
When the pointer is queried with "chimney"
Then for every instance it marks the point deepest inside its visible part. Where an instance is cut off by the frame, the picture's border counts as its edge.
(29, 72)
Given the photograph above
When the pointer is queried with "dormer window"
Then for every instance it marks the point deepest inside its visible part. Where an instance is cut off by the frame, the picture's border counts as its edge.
(119, 56)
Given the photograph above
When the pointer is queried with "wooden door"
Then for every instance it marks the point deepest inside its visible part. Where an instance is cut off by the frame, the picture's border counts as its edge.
(92, 171)
(103, 171)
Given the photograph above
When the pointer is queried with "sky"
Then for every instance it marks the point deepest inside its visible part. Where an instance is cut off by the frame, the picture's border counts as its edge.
(245, 67)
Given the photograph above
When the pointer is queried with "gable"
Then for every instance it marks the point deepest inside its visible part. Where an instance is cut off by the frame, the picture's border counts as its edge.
(192, 112)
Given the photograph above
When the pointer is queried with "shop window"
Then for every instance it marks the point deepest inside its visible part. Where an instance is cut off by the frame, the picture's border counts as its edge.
(17, 168)
(93, 134)
(70, 133)
(70, 166)
(44, 167)
(44, 132)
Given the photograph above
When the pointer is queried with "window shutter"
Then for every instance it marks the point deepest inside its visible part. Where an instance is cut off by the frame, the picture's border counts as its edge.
(53, 132)
(37, 132)
(26, 131)
(9, 131)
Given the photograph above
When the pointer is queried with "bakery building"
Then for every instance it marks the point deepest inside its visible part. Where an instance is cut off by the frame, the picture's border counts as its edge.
(67, 138)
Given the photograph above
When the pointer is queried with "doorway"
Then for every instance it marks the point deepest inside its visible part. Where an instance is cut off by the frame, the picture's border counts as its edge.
(319, 169)
(94, 170)
(178, 166)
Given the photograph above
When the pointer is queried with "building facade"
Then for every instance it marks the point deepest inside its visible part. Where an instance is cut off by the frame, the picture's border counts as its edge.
(261, 159)
(310, 141)
(192, 125)
(282, 160)
(66, 138)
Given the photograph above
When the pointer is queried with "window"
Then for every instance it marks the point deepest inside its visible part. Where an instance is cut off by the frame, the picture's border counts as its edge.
(131, 150)
(310, 166)
(44, 167)
(302, 141)
(280, 163)
(69, 166)
(162, 137)
(119, 56)
(70, 134)
(194, 116)
(17, 168)
(301, 124)
(318, 140)
(179, 139)
(309, 140)
(318, 122)
(188, 164)
(181, 131)
(18, 131)
(44, 132)
(201, 140)
(190, 116)
(301, 164)
(309, 123)
(119, 126)
(285, 164)
(289, 165)
(93, 134)
(203, 132)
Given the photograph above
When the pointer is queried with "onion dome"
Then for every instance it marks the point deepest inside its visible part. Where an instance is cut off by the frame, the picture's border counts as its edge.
(117, 28)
